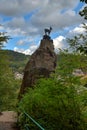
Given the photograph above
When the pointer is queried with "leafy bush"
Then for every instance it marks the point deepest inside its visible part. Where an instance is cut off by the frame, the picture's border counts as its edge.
(58, 102)
(54, 105)
(8, 84)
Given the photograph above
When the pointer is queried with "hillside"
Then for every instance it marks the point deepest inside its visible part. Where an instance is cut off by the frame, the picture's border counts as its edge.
(17, 60)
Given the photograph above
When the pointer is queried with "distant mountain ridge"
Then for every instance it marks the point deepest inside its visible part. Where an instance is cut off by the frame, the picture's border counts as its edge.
(16, 55)
(17, 60)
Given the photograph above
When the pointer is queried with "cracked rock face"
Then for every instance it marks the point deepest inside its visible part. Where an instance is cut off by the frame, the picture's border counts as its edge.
(42, 62)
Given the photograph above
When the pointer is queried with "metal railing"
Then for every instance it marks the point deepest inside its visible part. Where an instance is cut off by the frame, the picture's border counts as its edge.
(36, 123)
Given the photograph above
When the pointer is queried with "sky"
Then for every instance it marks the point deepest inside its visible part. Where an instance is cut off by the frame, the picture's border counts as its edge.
(25, 21)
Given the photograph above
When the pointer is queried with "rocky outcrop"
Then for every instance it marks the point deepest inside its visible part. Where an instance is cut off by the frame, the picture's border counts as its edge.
(41, 64)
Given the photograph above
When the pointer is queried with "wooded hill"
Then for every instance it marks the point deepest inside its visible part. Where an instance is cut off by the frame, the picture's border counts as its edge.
(17, 61)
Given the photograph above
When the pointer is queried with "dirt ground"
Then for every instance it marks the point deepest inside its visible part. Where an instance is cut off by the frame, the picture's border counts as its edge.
(8, 120)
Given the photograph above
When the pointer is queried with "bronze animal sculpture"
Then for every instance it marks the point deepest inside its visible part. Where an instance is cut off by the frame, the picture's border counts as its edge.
(48, 31)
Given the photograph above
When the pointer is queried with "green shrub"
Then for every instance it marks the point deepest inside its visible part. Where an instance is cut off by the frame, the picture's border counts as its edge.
(8, 84)
(54, 105)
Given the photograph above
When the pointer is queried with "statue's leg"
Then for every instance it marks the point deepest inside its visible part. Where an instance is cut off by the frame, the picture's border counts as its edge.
(45, 32)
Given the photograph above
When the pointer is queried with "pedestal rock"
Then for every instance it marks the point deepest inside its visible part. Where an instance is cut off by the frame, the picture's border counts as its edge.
(41, 64)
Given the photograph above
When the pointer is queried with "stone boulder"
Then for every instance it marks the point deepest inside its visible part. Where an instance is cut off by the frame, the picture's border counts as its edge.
(41, 64)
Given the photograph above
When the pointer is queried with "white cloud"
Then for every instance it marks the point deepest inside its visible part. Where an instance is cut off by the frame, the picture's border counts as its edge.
(21, 42)
(33, 47)
(75, 31)
(26, 41)
(28, 18)
(48, 13)
(1, 28)
(30, 50)
(78, 30)
(58, 42)
(27, 51)
(17, 32)
(19, 7)
(18, 50)
(16, 22)
(71, 13)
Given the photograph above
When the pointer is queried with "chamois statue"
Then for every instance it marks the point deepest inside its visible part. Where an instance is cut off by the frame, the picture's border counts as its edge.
(48, 31)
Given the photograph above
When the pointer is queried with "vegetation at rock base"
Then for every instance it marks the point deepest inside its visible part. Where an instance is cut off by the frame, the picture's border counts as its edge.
(59, 101)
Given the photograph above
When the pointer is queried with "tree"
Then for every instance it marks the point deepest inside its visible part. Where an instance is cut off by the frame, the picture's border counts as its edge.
(84, 1)
(7, 85)
(3, 38)
(79, 43)
(84, 11)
